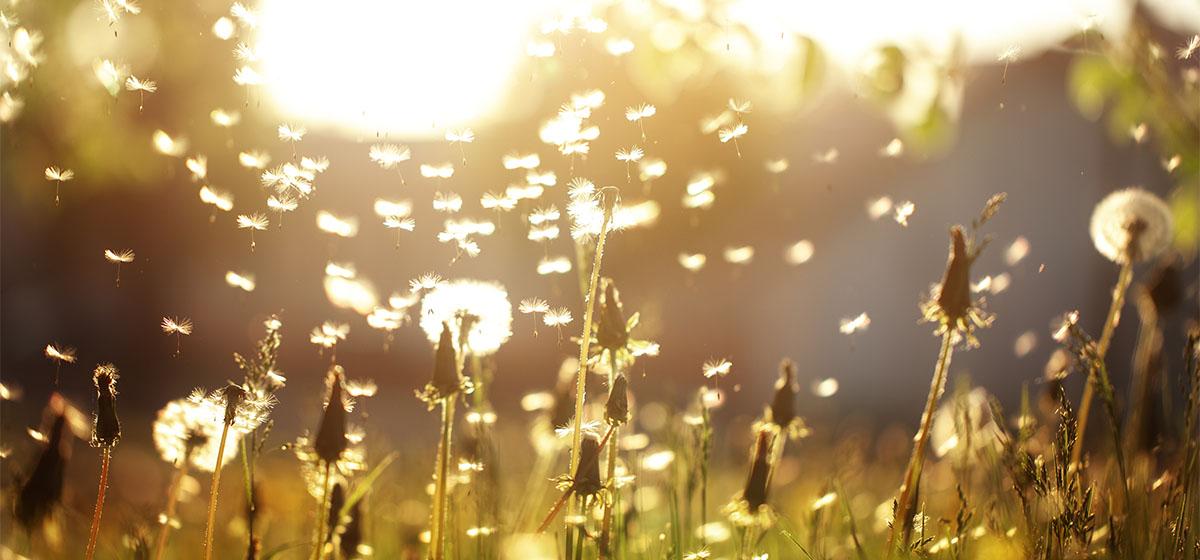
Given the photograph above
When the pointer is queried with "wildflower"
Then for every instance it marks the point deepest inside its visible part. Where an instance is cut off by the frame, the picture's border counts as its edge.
(1131, 225)
(485, 303)
(330, 441)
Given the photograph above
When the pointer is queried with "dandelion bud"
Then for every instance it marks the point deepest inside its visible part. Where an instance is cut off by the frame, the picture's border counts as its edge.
(587, 474)
(108, 428)
(330, 442)
(445, 365)
(616, 410)
(954, 297)
(783, 405)
(43, 490)
(611, 333)
(234, 395)
(755, 493)
(352, 534)
(337, 500)
(1131, 225)
(608, 198)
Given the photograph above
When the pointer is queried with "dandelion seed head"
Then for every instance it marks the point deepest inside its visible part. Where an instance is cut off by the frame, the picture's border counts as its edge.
(1131, 222)
(482, 306)
(190, 429)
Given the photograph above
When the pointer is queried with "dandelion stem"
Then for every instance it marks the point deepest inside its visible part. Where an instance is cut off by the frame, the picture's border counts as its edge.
(319, 546)
(570, 491)
(105, 455)
(585, 342)
(1110, 326)
(606, 523)
(212, 494)
(913, 473)
(172, 500)
(442, 468)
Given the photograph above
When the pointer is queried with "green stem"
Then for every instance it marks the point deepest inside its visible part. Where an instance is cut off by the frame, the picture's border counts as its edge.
(913, 473)
(1110, 327)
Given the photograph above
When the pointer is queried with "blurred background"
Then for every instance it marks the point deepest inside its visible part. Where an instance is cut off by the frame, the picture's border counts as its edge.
(940, 104)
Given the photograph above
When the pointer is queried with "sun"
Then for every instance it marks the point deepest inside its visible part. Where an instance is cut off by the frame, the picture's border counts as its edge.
(383, 67)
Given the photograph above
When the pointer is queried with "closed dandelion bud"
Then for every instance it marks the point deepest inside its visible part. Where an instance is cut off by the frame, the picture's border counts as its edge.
(108, 428)
(352, 534)
(587, 474)
(783, 405)
(1165, 286)
(445, 365)
(330, 441)
(234, 395)
(616, 410)
(755, 493)
(954, 297)
(43, 490)
(610, 325)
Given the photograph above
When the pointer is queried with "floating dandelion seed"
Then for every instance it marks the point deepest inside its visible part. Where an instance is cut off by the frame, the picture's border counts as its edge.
(829, 156)
(282, 204)
(777, 165)
(253, 222)
(198, 166)
(247, 76)
(893, 149)
(133, 83)
(223, 28)
(716, 368)
(733, 133)
(59, 176)
(460, 137)
(879, 207)
(166, 145)
(904, 210)
(1172, 163)
(240, 280)
(692, 262)
(1008, 56)
(825, 388)
(177, 327)
(739, 255)
(856, 324)
(329, 334)
(447, 202)
(1188, 49)
(254, 159)
(799, 252)
(439, 171)
(60, 356)
(1017, 251)
(521, 161)
(390, 156)
(123, 256)
(225, 119)
(110, 75)
(1138, 132)
(742, 107)
(638, 114)
(632, 155)
(399, 224)
(341, 227)
(220, 200)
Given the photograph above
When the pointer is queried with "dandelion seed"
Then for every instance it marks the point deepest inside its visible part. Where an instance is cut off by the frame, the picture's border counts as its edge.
(341, 227)
(733, 133)
(1138, 132)
(557, 317)
(440, 171)
(638, 114)
(253, 222)
(739, 255)
(632, 155)
(650, 169)
(742, 107)
(247, 76)
(59, 176)
(1008, 56)
(716, 368)
(692, 262)
(110, 74)
(777, 165)
(223, 28)
(904, 211)
(282, 204)
(447, 202)
(242, 281)
(829, 156)
(254, 159)
(1025, 344)
(123, 256)
(799, 252)
(60, 356)
(823, 501)
(658, 461)
(1188, 49)
(10, 106)
(245, 16)
(893, 149)
(460, 137)
(133, 83)
(852, 325)
(225, 119)
(177, 327)
(198, 166)
(825, 388)
(521, 161)
(168, 146)
(329, 334)
(540, 48)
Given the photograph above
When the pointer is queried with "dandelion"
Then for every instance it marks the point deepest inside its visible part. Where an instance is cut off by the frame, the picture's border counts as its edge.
(1130, 225)
(133, 83)
(60, 356)
(254, 159)
(178, 327)
(949, 306)
(485, 305)
(638, 114)
(59, 176)
(41, 493)
(167, 145)
(632, 155)
(253, 222)
(446, 382)
(732, 134)
(106, 435)
(185, 435)
(110, 75)
(123, 256)
(240, 280)
(243, 411)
